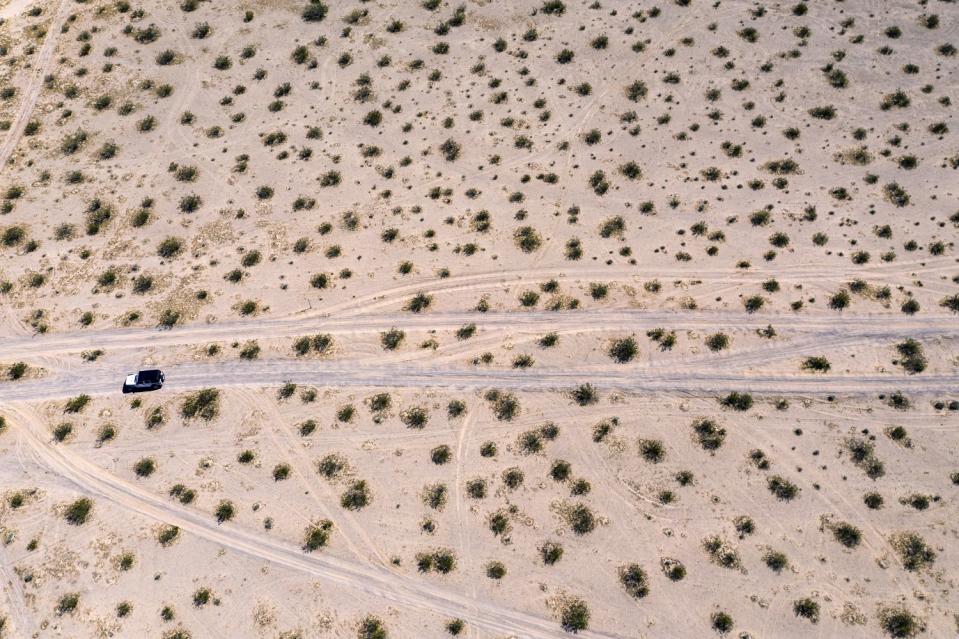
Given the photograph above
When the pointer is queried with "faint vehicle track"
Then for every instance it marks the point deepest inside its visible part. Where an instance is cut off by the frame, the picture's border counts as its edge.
(375, 581)
(13, 592)
(181, 377)
(32, 92)
(872, 325)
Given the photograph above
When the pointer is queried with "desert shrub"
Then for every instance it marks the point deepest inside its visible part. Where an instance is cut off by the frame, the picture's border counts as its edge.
(913, 359)
(579, 518)
(435, 496)
(708, 434)
(652, 450)
(634, 580)
(495, 570)
(737, 401)
(673, 569)
(550, 552)
(476, 488)
(203, 404)
(68, 603)
(896, 194)
(585, 394)
(623, 350)
(913, 551)
(561, 470)
(78, 511)
(392, 339)
(717, 342)
(450, 149)
(76, 404)
(155, 417)
(317, 535)
(721, 622)
(550, 340)
(62, 431)
(371, 628)
(356, 496)
(574, 615)
(744, 526)
(455, 408)
(166, 535)
(775, 561)
(225, 511)
(636, 91)
(505, 406)
(415, 417)
(170, 247)
(721, 552)
(817, 364)
(527, 239)
(418, 303)
(202, 597)
(782, 488)
(183, 494)
(332, 466)
(145, 467)
(899, 623)
(442, 560)
(862, 453)
(846, 534)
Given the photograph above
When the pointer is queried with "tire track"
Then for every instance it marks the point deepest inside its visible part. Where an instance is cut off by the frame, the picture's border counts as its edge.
(378, 582)
(871, 325)
(184, 377)
(35, 87)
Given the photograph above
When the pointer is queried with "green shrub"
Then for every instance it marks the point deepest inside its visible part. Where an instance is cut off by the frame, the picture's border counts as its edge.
(623, 350)
(585, 395)
(717, 342)
(78, 512)
(846, 534)
(68, 603)
(225, 511)
(817, 364)
(392, 339)
(782, 488)
(721, 552)
(574, 615)
(634, 580)
(900, 623)
(495, 570)
(371, 628)
(317, 535)
(145, 467)
(77, 404)
(167, 535)
(775, 561)
(356, 496)
(708, 434)
(652, 450)
(62, 431)
(913, 550)
(204, 404)
(527, 239)
(737, 401)
(721, 622)
(673, 569)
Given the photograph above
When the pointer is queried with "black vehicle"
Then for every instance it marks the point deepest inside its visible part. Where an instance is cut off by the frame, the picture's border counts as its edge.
(143, 381)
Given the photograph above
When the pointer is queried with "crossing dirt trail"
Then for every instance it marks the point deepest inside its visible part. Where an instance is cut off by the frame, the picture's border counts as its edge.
(379, 582)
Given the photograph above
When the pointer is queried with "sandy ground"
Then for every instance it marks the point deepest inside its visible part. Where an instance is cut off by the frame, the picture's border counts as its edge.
(667, 203)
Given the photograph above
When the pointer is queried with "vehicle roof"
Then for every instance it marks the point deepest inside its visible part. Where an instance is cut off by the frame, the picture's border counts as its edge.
(150, 375)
